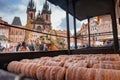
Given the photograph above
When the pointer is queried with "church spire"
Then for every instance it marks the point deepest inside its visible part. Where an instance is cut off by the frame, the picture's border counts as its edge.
(39, 12)
(46, 5)
(46, 8)
(38, 15)
(31, 6)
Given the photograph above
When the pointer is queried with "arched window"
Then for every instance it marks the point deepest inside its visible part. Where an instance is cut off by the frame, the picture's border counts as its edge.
(21, 33)
(31, 16)
(46, 17)
(39, 28)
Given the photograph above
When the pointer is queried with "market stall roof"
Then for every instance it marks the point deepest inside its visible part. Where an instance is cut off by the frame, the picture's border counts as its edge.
(86, 8)
(3, 38)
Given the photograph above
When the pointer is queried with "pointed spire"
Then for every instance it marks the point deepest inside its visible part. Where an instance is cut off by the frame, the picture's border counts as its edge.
(31, 6)
(39, 12)
(46, 8)
(50, 10)
(38, 15)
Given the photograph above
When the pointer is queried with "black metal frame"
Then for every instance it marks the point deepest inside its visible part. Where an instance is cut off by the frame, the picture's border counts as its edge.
(114, 27)
(7, 57)
(74, 18)
(89, 41)
(68, 28)
(27, 29)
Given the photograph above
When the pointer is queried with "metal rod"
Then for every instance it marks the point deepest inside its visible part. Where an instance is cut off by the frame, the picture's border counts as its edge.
(27, 29)
(67, 22)
(89, 32)
(114, 27)
(74, 15)
(97, 34)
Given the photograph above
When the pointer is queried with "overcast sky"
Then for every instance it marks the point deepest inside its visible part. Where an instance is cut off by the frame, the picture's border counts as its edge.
(11, 8)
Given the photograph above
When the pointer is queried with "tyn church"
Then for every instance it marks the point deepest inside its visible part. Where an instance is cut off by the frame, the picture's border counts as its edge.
(41, 21)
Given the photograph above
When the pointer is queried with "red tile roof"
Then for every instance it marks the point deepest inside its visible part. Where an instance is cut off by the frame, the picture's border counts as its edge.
(2, 21)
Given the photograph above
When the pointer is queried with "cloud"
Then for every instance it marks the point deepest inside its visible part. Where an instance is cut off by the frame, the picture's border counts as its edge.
(20, 12)
(63, 25)
(7, 8)
(11, 8)
(57, 17)
(25, 1)
(21, 8)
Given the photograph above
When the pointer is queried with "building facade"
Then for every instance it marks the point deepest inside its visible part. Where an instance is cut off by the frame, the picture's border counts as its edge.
(100, 30)
(40, 22)
(4, 30)
(64, 33)
(4, 33)
(10, 36)
(16, 35)
(82, 34)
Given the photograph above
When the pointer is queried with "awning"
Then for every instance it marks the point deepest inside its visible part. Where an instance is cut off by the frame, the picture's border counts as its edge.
(3, 38)
(86, 8)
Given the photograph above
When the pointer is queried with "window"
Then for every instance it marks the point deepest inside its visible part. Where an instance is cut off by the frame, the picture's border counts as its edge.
(31, 16)
(16, 32)
(3, 31)
(39, 28)
(47, 17)
(96, 39)
(21, 33)
(11, 32)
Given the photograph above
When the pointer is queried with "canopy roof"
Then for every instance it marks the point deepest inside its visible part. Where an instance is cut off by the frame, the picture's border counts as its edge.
(3, 38)
(86, 8)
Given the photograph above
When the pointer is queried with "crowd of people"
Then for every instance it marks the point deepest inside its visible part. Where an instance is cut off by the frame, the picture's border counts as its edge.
(37, 46)
(26, 47)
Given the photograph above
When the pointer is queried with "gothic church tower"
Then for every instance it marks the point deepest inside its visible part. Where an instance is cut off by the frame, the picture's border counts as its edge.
(31, 9)
(40, 22)
(46, 13)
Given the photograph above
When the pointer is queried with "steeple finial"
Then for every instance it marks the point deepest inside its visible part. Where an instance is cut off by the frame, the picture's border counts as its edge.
(39, 12)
